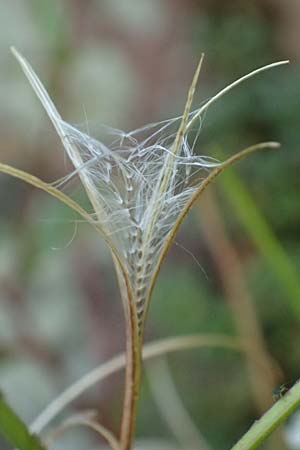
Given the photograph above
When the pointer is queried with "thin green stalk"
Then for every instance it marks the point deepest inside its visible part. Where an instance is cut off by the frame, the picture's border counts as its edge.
(263, 427)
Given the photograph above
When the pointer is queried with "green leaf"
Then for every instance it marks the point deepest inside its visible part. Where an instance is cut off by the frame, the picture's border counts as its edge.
(15, 431)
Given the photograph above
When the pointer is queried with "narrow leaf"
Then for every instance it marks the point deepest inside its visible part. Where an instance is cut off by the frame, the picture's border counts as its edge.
(15, 431)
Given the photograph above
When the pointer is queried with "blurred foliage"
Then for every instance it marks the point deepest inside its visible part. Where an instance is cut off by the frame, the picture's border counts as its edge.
(60, 314)
(263, 237)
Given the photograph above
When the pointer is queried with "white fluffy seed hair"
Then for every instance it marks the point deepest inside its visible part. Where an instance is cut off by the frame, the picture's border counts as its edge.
(140, 182)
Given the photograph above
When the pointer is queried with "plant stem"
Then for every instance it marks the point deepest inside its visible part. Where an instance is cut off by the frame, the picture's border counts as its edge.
(263, 427)
(133, 361)
(131, 397)
(132, 390)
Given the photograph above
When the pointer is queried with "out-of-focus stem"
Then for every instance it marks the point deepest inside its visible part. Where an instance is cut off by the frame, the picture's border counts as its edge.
(263, 371)
(118, 362)
(171, 407)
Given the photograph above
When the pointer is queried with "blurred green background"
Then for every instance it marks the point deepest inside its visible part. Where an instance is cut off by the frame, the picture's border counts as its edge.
(235, 269)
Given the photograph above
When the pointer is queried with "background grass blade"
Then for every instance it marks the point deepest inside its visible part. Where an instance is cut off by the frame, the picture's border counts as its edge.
(15, 431)
(262, 235)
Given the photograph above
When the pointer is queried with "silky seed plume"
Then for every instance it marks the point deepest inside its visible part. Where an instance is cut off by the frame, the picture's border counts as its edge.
(138, 182)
